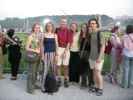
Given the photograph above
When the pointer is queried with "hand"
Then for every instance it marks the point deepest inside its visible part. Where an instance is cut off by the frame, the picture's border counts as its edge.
(37, 50)
(64, 54)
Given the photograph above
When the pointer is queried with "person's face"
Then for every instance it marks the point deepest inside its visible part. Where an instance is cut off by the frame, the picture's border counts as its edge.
(73, 27)
(37, 28)
(93, 25)
(84, 28)
(63, 23)
(49, 27)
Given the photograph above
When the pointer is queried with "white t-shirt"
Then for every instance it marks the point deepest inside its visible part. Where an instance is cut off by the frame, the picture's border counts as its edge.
(75, 43)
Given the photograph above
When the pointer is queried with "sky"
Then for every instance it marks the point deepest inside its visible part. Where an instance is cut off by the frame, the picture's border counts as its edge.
(31, 8)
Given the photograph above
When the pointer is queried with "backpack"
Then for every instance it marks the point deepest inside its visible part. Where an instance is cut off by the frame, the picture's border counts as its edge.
(108, 47)
(50, 83)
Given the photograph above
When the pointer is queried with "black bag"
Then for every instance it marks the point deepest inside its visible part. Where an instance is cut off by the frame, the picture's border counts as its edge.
(31, 57)
(50, 83)
(84, 54)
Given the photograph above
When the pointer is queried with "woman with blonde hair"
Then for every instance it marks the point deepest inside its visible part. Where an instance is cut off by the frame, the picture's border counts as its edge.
(33, 46)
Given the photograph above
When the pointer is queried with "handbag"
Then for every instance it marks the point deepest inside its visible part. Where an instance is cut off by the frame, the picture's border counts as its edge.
(84, 54)
(31, 57)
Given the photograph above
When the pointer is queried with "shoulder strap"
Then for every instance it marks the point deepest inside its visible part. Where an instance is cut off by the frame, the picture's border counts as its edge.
(84, 44)
(98, 41)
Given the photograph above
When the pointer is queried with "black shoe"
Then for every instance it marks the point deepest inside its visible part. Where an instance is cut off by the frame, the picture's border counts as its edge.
(92, 89)
(66, 83)
(59, 82)
(45, 91)
(99, 92)
(30, 92)
(13, 78)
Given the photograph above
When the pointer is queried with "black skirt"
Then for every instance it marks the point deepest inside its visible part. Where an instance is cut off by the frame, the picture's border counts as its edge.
(84, 66)
(74, 67)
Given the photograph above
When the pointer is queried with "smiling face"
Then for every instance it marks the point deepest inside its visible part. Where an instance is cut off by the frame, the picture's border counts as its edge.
(49, 27)
(93, 25)
(63, 23)
(73, 27)
(36, 28)
(84, 28)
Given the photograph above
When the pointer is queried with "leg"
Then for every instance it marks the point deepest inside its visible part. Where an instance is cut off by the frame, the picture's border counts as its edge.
(125, 72)
(59, 62)
(84, 80)
(91, 72)
(45, 71)
(98, 78)
(30, 86)
(31, 78)
(65, 65)
(113, 65)
(66, 71)
(130, 77)
(15, 68)
(90, 77)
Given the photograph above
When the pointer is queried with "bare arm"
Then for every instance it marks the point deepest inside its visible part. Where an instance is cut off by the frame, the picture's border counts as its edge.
(9, 39)
(42, 48)
(56, 43)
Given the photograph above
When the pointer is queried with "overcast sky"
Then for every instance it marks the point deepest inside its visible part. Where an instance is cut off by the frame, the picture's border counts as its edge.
(28, 8)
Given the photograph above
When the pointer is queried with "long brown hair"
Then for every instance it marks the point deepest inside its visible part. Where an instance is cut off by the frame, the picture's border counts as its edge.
(81, 31)
(34, 25)
(53, 28)
(74, 24)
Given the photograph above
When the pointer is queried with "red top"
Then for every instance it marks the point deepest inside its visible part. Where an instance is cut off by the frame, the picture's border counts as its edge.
(64, 36)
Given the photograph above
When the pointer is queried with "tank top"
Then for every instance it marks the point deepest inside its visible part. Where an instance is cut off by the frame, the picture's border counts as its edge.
(49, 45)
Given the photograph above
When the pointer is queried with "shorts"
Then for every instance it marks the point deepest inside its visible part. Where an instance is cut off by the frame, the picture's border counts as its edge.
(62, 60)
(97, 66)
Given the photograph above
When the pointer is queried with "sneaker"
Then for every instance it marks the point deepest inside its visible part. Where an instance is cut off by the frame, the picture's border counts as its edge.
(99, 92)
(66, 83)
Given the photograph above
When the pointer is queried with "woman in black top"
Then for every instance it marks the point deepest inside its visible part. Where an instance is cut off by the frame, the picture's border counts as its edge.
(85, 71)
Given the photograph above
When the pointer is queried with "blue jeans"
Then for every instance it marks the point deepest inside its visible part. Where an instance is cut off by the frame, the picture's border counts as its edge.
(127, 71)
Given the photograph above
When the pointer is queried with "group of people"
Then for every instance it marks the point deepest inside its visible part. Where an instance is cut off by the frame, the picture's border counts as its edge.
(61, 47)
(78, 54)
